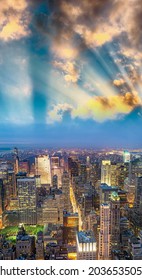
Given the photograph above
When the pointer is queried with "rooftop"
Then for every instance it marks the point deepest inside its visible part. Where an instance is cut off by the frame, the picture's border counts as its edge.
(86, 237)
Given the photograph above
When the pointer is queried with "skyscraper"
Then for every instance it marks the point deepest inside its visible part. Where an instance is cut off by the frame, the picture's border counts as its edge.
(126, 156)
(16, 160)
(70, 227)
(106, 172)
(26, 189)
(42, 167)
(104, 252)
(66, 191)
(138, 193)
(115, 220)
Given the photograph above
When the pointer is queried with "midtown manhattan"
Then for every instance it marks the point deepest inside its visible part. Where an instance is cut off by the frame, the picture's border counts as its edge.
(70, 129)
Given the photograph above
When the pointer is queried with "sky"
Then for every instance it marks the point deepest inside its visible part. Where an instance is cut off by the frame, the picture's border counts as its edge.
(70, 73)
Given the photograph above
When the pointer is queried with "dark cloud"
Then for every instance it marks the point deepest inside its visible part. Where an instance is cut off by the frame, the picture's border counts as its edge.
(62, 17)
(105, 102)
(131, 99)
(135, 27)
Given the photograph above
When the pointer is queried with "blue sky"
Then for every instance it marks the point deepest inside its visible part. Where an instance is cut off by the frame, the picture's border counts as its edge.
(70, 73)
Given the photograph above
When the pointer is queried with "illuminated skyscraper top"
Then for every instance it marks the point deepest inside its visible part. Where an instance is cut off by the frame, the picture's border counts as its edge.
(126, 156)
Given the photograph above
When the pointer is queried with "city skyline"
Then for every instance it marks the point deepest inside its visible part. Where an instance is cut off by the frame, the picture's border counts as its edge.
(70, 73)
(70, 204)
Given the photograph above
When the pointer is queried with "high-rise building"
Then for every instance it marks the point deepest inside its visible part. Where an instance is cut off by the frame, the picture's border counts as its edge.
(70, 227)
(114, 179)
(57, 171)
(106, 172)
(104, 252)
(122, 173)
(95, 173)
(16, 160)
(1, 201)
(73, 167)
(39, 246)
(66, 191)
(26, 189)
(105, 193)
(138, 193)
(9, 184)
(55, 162)
(43, 168)
(115, 220)
(86, 245)
(126, 156)
(83, 173)
(51, 209)
(55, 181)
(24, 166)
(130, 188)
(135, 247)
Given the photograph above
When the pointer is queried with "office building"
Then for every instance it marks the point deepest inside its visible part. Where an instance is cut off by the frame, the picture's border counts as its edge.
(66, 191)
(104, 252)
(138, 193)
(26, 190)
(106, 172)
(86, 245)
(43, 168)
(39, 246)
(115, 220)
(70, 228)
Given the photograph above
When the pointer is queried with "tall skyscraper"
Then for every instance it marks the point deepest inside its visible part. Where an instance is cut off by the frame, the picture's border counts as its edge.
(43, 168)
(104, 252)
(115, 220)
(73, 167)
(126, 156)
(16, 160)
(83, 173)
(114, 179)
(26, 189)
(66, 191)
(106, 172)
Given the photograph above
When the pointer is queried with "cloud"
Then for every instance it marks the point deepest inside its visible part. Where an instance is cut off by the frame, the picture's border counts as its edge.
(98, 108)
(14, 19)
(119, 82)
(134, 24)
(94, 23)
(57, 112)
(71, 73)
(102, 108)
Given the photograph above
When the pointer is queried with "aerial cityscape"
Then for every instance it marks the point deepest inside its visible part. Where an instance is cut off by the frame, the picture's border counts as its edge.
(70, 204)
(70, 130)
